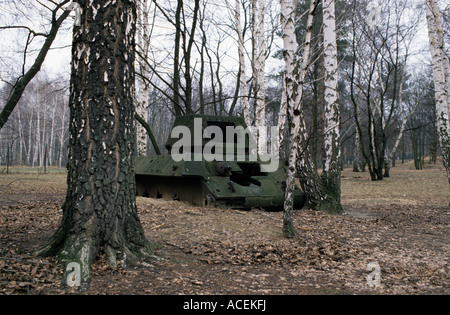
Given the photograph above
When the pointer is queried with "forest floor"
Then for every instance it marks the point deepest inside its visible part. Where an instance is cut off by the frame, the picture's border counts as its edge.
(400, 224)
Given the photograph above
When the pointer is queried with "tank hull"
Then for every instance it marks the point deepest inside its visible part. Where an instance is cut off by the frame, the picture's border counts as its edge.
(244, 186)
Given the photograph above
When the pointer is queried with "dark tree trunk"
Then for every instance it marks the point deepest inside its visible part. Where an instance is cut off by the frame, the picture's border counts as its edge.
(176, 64)
(99, 213)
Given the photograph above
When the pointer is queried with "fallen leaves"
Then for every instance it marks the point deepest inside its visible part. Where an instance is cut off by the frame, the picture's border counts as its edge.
(223, 251)
(26, 275)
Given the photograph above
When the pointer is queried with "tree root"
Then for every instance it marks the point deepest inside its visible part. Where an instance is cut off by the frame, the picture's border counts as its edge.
(78, 251)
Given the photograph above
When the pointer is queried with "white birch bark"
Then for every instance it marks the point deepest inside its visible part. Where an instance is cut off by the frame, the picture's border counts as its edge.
(43, 141)
(61, 139)
(441, 76)
(38, 128)
(399, 137)
(143, 40)
(30, 133)
(331, 123)
(331, 170)
(294, 92)
(259, 60)
(290, 48)
(20, 137)
(52, 136)
(282, 120)
(243, 78)
(261, 94)
(254, 61)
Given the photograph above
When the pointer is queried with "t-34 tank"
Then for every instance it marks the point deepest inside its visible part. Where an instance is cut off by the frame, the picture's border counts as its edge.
(212, 162)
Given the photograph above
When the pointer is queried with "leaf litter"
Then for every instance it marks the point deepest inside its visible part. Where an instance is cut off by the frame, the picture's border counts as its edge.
(226, 251)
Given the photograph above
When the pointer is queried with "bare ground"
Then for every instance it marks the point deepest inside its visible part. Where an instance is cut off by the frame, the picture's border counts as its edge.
(400, 223)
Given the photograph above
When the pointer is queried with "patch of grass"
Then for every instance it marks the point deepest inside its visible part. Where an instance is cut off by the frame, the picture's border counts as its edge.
(26, 181)
(406, 186)
(32, 170)
(332, 291)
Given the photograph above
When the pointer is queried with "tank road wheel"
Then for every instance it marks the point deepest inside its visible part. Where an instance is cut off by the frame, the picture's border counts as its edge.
(210, 200)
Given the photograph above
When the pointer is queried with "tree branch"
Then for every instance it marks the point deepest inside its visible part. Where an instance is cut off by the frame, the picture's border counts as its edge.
(23, 81)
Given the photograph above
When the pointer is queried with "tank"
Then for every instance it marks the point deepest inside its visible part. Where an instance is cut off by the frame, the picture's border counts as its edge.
(211, 163)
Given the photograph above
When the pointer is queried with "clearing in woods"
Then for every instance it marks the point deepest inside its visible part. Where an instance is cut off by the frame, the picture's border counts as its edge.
(400, 224)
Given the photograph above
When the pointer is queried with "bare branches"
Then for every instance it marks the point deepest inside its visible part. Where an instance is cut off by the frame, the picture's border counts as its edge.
(31, 31)
(28, 75)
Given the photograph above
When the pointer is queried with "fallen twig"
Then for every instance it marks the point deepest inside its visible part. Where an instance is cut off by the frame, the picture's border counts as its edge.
(21, 260)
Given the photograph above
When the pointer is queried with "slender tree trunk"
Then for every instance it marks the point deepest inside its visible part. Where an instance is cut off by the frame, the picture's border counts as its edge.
(356, 153)
(21, 140)
(30, 141)
(308, 177)
(176, 61)
(294, 92)
(38, 127)
(290, 50)
(217, 73)
(403, 150)
(143, 41)
(283, 126)
(44, 139)
(260, 61)
(52, 134)
(201, 76)
(331, 175)
(391, 154)
(372, 159)
(254, 61)
(441, 76)
(242, 65)
(99, 213)
(61, 140)
(187, 49)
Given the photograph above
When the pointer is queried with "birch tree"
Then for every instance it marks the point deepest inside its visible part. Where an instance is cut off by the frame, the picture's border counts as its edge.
(259, 56)
(99, 212)
(282, 118)
(242, 64)
(37, 143)
(331, 176)
(144, 28)
(441, 77)
(290, 45)
(294, 92)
